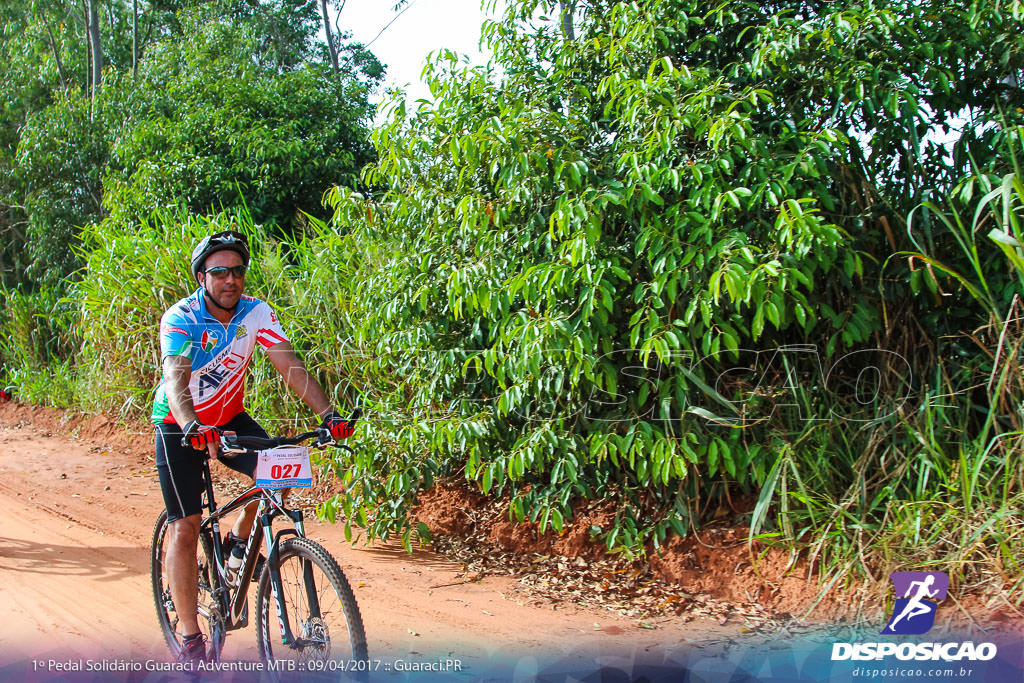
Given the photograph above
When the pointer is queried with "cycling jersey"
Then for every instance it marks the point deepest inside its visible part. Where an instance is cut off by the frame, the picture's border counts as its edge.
(220, 354)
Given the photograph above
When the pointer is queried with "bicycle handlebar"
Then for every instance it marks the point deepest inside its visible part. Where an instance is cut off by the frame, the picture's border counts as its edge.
(232, 441)
(233, 444)
(236, 443)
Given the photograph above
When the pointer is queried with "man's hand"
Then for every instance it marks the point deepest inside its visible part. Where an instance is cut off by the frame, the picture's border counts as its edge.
(201, 436)
(5, 395)
(339, 427)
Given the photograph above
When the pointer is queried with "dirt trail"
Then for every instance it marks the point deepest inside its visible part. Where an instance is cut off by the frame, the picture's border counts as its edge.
(78, 511)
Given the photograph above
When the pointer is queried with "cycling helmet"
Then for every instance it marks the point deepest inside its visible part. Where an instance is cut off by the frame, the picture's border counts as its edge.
(227, 239)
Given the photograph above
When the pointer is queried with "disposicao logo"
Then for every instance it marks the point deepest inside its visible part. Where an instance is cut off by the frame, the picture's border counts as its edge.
(918, 595)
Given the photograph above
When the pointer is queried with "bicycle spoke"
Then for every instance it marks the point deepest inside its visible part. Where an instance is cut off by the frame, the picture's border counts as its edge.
(323, 619)
(209, 617)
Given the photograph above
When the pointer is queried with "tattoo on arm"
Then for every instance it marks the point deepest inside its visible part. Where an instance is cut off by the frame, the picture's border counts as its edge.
(177, 371)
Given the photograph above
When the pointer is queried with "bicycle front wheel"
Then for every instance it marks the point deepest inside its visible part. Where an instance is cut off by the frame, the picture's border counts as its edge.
(317, 619)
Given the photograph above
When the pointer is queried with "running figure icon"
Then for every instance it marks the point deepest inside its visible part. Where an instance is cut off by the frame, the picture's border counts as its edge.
(918, 595)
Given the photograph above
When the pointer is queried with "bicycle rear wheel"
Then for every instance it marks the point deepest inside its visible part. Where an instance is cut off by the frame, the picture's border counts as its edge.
(319, 608)
(167, 615)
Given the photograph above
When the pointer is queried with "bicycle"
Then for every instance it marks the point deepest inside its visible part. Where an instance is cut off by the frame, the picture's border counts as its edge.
(295, 575)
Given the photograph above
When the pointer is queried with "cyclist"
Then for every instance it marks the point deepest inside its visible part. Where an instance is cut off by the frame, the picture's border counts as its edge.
(206, 342)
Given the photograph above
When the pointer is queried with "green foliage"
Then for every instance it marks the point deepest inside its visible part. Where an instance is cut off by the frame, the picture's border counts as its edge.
(38, 340)
(694, 254)
(231, 105)
(38, 327)
(562, 260)
(61, 154)
(207, 128)
(130, 280)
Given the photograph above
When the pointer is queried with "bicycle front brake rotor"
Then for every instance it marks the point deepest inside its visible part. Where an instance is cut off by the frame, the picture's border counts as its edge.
(315, 638)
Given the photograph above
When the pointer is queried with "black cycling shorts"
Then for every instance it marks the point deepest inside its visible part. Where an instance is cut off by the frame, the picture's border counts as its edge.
(181, 467)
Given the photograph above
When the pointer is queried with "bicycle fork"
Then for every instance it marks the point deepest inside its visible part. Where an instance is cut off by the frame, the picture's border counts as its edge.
(288, 637)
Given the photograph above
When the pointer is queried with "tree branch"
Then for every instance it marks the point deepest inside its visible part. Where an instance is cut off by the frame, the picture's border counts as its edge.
(388, 25)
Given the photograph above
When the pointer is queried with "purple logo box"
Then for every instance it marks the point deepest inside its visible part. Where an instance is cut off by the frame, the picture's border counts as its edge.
(939, 582)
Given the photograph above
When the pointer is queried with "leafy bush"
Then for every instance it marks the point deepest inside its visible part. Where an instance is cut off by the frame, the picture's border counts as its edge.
(242, 112)
(208, 128)
(570, 250)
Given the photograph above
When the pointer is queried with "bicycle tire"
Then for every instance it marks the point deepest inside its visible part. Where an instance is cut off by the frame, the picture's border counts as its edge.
(165, 611)
(321, 634)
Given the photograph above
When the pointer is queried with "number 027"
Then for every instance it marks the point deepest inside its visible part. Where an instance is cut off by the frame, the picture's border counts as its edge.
(284, 471)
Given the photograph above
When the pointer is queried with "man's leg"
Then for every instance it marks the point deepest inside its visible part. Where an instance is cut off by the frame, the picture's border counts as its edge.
(182, 571)
(181, 483)
(243, 525)
(244, 425)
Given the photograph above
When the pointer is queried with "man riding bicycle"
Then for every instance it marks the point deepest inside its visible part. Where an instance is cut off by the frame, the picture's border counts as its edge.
(206, 342)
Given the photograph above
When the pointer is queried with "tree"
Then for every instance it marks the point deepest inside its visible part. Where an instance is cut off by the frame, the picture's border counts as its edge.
(223, 103)
(95, 47)
(209, 128)
(331, 49)
(572, 253)
(61, 156)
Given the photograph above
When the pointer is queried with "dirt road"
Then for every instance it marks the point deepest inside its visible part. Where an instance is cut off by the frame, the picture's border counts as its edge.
(79, 503)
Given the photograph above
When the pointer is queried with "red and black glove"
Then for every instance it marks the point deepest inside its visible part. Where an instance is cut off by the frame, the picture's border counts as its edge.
(339, 427)
(199, 436)
(5, 395)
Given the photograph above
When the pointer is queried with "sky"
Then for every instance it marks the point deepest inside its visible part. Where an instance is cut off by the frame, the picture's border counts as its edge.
(424, 26)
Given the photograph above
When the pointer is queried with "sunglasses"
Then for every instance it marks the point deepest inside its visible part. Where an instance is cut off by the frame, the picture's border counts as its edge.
(221, 272)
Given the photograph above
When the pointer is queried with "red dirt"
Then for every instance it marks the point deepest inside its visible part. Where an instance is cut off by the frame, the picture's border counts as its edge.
(716, 562)
(80, 497)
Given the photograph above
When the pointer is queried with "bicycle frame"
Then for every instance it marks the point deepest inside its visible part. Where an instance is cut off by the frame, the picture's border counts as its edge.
(271, 505)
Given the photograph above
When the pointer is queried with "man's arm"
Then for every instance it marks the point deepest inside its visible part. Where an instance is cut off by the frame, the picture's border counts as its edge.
(298, 379)
(177, 371)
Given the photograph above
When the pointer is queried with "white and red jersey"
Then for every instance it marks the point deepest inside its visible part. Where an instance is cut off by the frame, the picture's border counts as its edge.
(220, 354)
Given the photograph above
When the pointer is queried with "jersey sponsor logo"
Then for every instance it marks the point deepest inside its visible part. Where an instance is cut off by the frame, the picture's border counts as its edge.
(208, 341)
(218, 384)
(170, 329)
(273, 316)
(218, 373)
(233, 362)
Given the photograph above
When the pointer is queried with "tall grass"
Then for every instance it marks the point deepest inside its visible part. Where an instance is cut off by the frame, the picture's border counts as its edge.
(37, 340)
(132, 278)
(941, 484)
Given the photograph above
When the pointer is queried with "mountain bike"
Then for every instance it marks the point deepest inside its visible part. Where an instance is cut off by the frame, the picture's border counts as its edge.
(317, 618)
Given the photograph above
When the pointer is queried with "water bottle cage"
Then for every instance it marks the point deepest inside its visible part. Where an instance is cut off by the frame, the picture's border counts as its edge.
(234, 562)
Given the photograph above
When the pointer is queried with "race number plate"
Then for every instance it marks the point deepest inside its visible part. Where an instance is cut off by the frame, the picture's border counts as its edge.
(284, 467)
